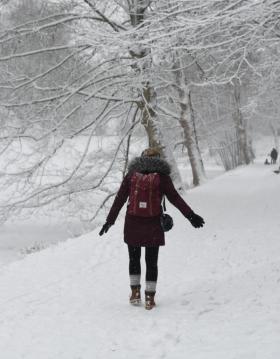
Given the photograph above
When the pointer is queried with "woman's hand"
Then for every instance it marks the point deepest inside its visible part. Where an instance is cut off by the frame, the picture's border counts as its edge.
(196, 220)
(105, 228)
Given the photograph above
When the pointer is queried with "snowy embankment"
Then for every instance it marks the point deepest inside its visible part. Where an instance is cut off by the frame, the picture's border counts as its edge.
(218, 292)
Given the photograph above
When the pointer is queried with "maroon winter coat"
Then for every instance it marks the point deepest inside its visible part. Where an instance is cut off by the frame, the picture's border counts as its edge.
(146, 231)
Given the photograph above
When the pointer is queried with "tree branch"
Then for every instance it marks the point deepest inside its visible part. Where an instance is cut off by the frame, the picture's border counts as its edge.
(113, 25)
(40, 51)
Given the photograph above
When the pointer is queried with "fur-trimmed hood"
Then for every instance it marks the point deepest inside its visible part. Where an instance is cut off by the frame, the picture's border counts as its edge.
(147, 164)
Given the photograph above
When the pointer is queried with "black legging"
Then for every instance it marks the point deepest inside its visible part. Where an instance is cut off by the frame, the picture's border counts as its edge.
(151, 258)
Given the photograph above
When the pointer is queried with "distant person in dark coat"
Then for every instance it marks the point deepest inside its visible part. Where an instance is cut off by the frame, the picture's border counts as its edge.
(146, 231)
(273, 155)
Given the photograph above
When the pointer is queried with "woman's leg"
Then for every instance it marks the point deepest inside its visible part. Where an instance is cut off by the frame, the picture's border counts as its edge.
(134, 266)
(151, 257)
(135, 274)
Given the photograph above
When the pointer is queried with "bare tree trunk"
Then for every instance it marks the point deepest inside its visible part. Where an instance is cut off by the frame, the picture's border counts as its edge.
(195, 133)
(149, 117)
(189, 135)
(245, 152)
(187, 123)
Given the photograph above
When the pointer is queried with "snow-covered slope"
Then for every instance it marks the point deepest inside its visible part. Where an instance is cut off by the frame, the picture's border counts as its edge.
(218, 292)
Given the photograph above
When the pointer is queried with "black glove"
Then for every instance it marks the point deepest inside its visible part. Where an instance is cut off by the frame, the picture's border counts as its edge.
(196, 220)
(105, 228)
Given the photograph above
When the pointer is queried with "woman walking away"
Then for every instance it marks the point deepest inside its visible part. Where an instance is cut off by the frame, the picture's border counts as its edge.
(145, 184)
(273, 156)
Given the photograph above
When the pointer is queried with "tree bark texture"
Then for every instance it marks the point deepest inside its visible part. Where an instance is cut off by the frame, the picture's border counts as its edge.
(189, 135)
(244, 151)
(187, 123)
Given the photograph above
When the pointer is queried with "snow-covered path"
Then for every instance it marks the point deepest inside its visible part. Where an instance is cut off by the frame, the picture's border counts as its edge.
(218, 293)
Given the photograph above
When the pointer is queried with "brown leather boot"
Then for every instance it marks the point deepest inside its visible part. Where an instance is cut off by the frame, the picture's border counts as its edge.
(135, 298)
(149, 300)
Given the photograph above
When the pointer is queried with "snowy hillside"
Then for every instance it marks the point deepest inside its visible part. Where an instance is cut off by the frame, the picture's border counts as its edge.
(218, 292)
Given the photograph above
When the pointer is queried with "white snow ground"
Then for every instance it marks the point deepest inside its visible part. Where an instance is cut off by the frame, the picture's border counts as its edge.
(218, 292)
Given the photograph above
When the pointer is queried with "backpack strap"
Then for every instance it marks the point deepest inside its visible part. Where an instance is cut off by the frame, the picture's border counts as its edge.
(138, 179)
(163, 204)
